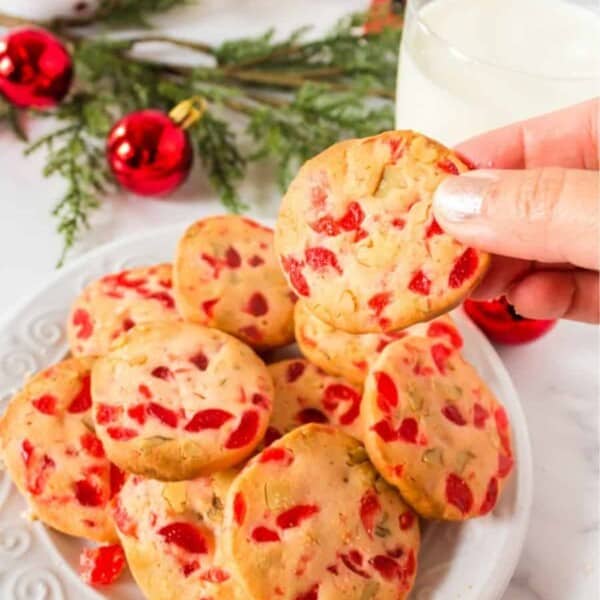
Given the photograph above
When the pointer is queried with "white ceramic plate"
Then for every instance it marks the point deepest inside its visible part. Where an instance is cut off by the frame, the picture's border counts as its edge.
(470, 561)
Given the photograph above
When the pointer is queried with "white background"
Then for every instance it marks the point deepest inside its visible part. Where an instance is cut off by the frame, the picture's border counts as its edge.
(556, 377)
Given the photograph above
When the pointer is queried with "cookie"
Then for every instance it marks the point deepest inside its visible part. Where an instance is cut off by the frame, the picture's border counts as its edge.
(227, 276)
(310, 519)
(113, 304)
(351, 355)
(171, 534)
(435, 431)
(177, 400)
(52, 454)
(306, 394)
(357, 239)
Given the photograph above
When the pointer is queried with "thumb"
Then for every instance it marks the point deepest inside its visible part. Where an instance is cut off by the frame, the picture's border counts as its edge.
(548, 215)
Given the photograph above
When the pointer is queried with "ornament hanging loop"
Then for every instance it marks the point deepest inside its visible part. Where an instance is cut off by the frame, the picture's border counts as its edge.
(188, 112)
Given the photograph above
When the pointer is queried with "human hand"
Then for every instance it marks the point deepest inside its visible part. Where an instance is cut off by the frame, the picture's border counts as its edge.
(535, 206)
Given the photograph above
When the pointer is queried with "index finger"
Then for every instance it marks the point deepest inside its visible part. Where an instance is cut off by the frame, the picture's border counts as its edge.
(565, 138)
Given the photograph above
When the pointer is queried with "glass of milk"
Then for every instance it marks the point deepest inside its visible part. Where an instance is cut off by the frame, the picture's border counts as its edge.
(468, 66)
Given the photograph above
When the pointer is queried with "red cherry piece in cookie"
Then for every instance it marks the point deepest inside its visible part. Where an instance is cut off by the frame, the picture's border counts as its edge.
(281, 456)
(491, 495)
(295, 370)
(239, 509)
(319, 259)
(162, 372)
(442, 329)
(83, 400)
(385, 431)
(257, 305)
(370, 510)
(440, 354)
(101, 566)
(233, 258)
(295, 515)
(92, 445)
(88, 494)
(117, 479)
(264, 534)
(433, 229)
(200, 361)
(458, 493)
(165, 415)
(294, 269)
(378, 302)
(406, 519)
(480, 415)
(185, 536)
(245, 432)
(210, 418)
(452, 413)
(387, 394)
(311, 594)
(121, 434)
(464, 268)
(208, 307)
(420, 284)
(46, 404)
(448, 166)
(339, 392)
(387, 567)
(107, 414)
(83, 322)
(408, 430)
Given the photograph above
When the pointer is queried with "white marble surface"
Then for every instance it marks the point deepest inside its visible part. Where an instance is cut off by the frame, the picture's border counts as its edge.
(556, 377)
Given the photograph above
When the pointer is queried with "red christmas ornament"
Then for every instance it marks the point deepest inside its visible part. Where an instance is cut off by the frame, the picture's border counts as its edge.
(499, 321)
(35, 69)
(149, 151)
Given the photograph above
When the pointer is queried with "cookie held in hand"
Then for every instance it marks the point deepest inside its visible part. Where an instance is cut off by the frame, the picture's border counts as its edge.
(357, 239)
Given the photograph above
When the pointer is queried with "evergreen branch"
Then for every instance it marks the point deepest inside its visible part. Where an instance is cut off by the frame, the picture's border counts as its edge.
(216, 146)
(292, 98)
(73, 154)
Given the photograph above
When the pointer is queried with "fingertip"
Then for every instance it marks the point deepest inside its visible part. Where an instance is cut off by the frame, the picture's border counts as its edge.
(557, 295)
(542, 295)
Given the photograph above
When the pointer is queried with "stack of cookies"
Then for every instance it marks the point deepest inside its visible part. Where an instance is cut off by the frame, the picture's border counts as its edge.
(224, 475)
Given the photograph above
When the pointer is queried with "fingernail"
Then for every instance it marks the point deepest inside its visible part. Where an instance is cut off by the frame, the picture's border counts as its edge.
(459, 198)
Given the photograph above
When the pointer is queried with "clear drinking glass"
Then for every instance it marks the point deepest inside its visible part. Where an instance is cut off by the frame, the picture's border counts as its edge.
(467, 66)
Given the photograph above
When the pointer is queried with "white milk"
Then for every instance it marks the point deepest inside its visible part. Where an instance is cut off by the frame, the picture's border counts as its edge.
(485, 63)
